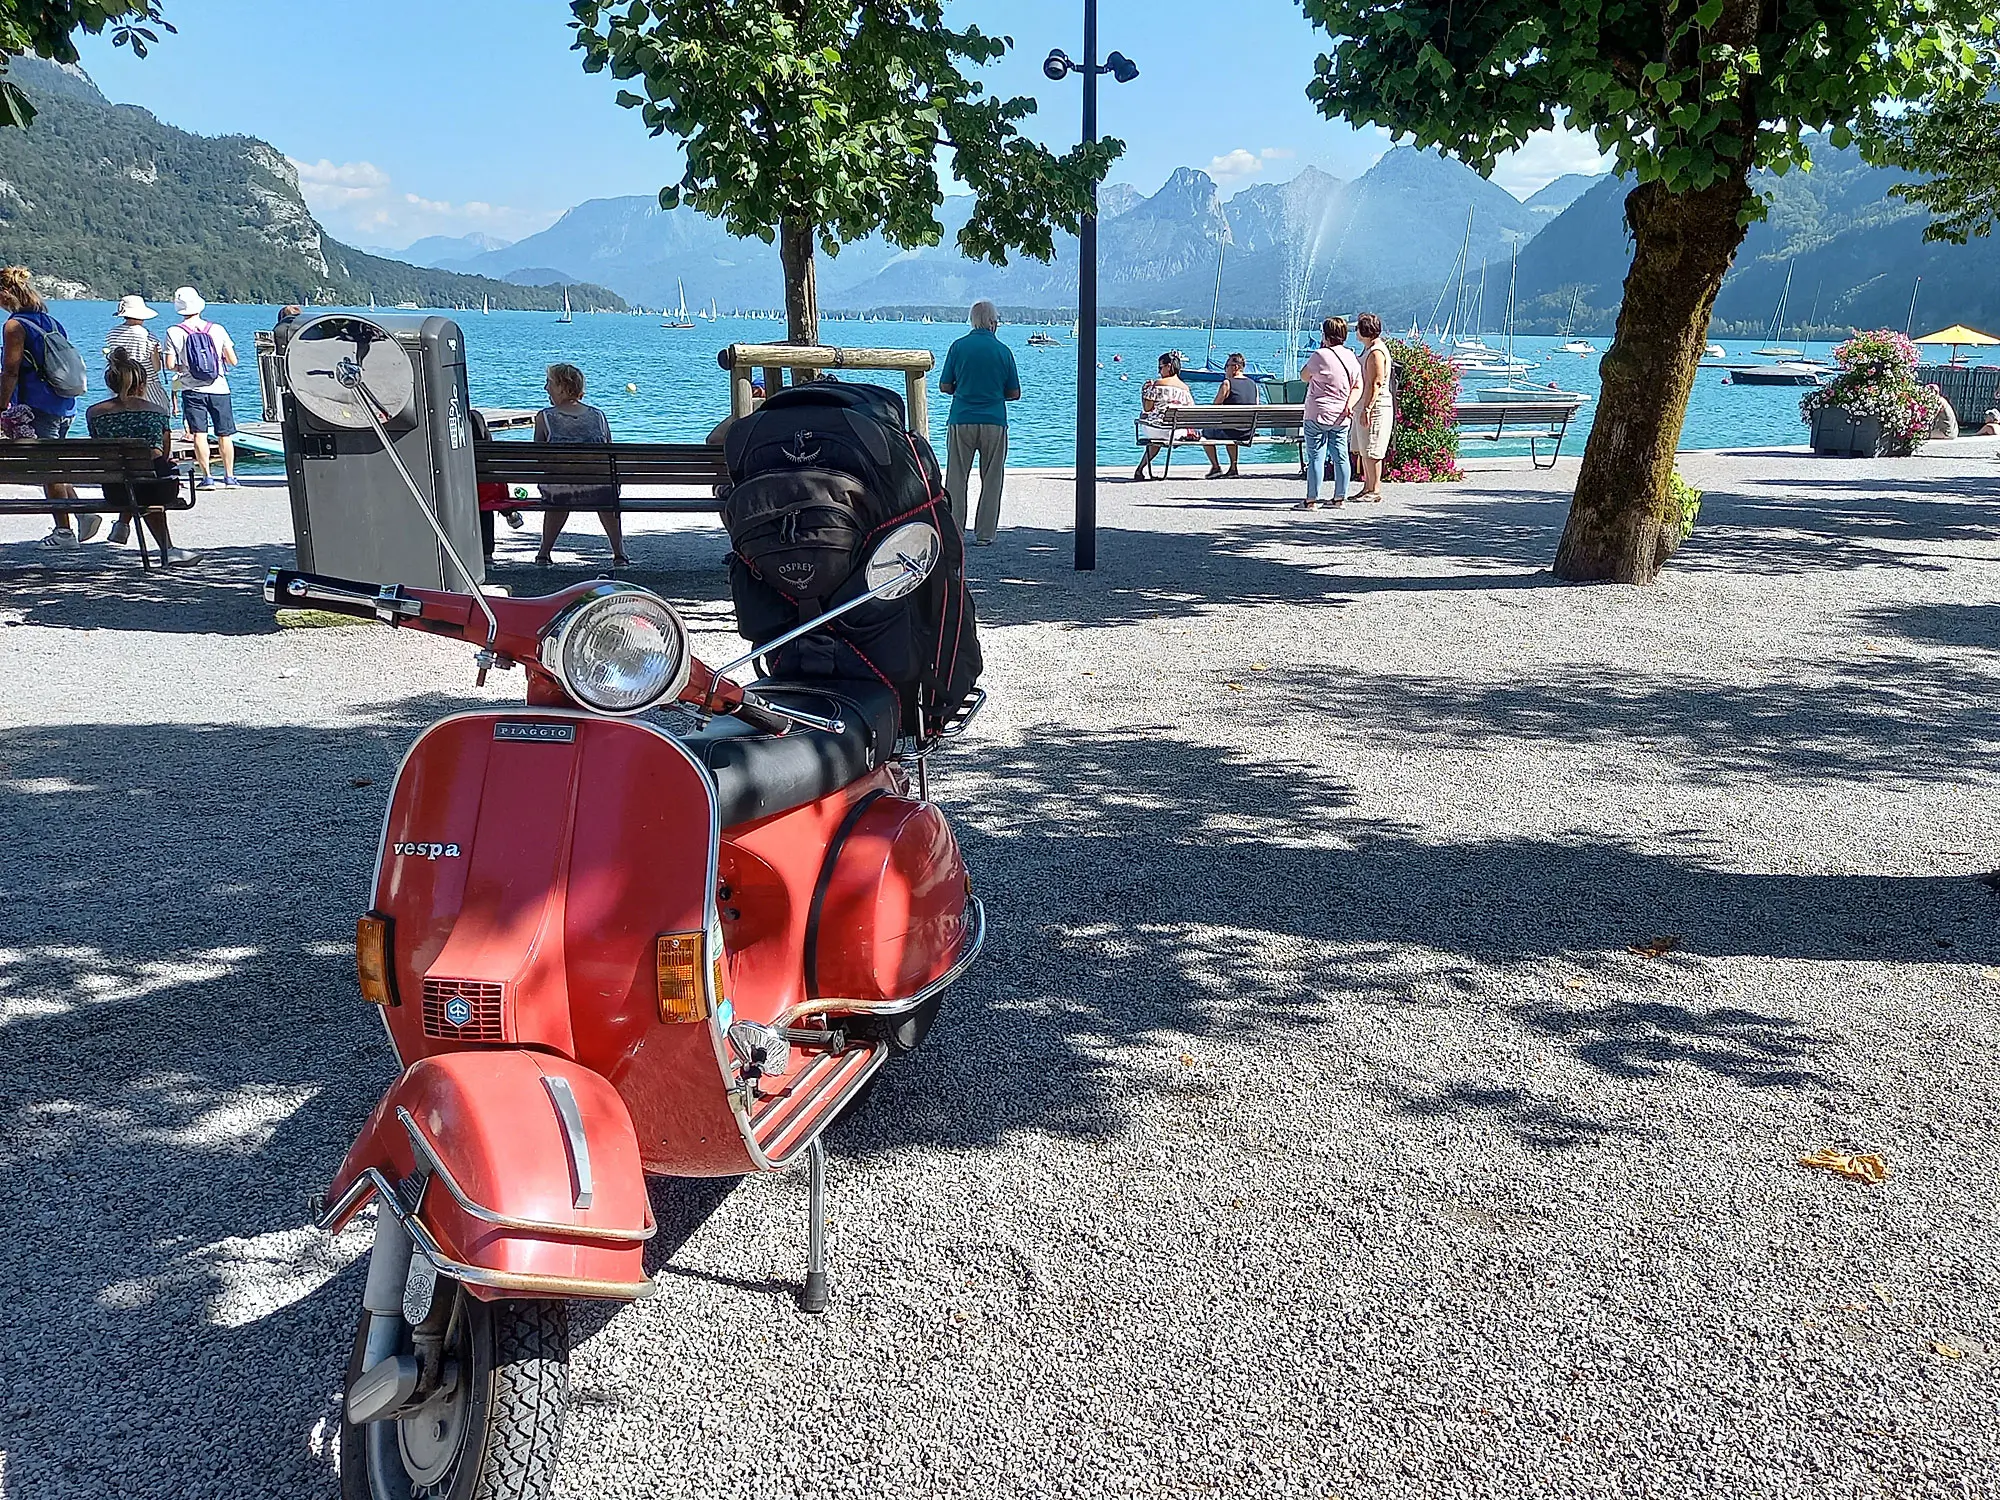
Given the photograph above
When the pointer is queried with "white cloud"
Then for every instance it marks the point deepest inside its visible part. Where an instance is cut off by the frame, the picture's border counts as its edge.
(1277, 153)
(1547, 156)
(357, 200)
(1234, 167)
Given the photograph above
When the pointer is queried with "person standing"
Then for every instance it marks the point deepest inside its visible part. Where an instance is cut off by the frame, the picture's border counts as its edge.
(1333, 382)
(980, 377)
(136, 339)
(566, 419)
(1377, 404)
(24, 382)
(1237, 389)
(201, 353)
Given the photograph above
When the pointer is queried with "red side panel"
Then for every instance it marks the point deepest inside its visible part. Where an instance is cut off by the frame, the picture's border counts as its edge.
(892, 918)
(490, 1118)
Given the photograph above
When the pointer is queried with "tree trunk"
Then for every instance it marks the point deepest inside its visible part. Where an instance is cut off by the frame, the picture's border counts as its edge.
(1622, 525)
(795, 251)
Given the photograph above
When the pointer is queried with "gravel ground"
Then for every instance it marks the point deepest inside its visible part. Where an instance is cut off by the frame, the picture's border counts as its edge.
(1311, 1127)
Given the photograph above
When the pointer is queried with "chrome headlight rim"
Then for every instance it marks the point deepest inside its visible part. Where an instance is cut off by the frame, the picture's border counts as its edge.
(564, 628)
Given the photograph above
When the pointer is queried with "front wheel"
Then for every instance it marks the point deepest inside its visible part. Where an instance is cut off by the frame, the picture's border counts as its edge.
(492, 1433)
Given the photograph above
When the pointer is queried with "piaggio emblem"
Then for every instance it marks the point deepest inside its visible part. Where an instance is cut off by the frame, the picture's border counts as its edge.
(458, 1010)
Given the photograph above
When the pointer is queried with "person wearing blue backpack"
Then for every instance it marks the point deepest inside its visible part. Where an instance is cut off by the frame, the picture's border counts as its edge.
(43, 372)
(201, 353)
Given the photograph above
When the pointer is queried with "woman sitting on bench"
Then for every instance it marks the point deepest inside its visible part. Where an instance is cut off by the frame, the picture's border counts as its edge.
(567, 420)
(128, 415)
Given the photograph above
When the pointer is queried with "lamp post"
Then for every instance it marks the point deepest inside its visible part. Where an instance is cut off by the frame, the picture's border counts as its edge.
(1058, 66)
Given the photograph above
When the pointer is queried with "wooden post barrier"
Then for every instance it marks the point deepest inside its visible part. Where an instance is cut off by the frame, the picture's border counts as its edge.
(774, 359)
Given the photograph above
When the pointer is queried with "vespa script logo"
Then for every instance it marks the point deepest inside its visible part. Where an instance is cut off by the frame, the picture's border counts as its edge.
(427, 851)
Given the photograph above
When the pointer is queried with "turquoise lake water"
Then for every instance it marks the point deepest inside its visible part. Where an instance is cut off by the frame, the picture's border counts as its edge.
(682, 392)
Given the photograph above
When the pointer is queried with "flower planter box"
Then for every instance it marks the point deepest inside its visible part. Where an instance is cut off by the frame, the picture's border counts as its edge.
(1836, 434)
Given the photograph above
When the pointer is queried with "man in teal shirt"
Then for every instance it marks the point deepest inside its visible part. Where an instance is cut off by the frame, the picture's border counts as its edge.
(980, 378)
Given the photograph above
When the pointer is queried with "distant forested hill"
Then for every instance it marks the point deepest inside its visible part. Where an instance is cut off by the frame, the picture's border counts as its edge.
(100, 199)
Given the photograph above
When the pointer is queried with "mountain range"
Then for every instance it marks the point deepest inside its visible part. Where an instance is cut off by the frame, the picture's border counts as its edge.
(100, 199)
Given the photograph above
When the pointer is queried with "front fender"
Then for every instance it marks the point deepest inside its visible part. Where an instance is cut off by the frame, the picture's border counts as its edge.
(520, 1168)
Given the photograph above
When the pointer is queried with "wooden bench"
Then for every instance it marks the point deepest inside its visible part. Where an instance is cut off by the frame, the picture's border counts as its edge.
(1538, 421)
(677, 465)
(45, 461)
(1284, 424)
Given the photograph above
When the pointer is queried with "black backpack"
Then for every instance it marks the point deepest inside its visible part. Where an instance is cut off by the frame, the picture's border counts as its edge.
(819, 474)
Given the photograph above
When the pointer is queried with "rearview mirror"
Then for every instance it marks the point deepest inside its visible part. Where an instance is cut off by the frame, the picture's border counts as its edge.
(903, 560)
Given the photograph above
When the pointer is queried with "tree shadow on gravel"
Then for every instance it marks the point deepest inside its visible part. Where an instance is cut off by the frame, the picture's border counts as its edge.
(1914, 719)
(1955, 625)
(102, 588)
(187, 1057)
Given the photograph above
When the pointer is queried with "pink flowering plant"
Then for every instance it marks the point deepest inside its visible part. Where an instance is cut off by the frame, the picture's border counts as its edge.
(1423, 443)
(1877, 381)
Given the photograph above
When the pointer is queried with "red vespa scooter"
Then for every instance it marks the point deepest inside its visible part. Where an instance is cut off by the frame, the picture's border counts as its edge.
(604, 950)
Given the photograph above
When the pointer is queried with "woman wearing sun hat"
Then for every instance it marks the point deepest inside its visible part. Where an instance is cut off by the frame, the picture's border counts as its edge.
(136, 339)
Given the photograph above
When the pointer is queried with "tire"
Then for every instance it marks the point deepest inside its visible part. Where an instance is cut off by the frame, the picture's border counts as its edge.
(509, 1413)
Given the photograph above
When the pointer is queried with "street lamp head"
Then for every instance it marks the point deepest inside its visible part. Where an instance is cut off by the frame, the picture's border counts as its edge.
(1121, 67)
(1057, 66)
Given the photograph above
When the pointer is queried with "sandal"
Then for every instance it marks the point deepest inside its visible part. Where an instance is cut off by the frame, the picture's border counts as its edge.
(1232, 473)
(543, 560)
(1214, 472)
(1142, 472)
(1307, 505)
(620, 560)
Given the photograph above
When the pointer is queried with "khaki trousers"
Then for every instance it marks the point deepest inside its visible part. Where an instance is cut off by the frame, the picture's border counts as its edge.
(989, 441)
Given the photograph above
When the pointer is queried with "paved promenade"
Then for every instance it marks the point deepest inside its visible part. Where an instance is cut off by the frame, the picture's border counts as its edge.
(1312, 1127)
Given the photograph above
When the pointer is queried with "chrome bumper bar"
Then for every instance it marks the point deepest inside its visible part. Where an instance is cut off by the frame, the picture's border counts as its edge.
(427, 1155)
(902, 1005)
(371, 1181)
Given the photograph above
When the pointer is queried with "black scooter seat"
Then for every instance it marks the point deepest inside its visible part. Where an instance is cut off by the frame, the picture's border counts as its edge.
(758, 774)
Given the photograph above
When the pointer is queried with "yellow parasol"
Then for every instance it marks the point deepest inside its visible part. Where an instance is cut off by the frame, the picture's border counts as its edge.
(1958, 336)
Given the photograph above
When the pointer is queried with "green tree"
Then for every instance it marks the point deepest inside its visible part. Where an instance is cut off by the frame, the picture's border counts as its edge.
(1691, 95)
(1955, 144)
(47, 28)
(818, 122)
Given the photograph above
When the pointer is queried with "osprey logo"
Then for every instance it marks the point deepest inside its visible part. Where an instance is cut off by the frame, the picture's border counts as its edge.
(801, 449)
(797, 573)
(426, 851)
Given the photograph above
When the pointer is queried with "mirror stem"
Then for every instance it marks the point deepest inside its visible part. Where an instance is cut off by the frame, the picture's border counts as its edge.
(350, 374)
(910, 570)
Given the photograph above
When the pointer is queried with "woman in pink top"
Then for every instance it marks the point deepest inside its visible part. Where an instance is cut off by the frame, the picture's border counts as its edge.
(1333, 380)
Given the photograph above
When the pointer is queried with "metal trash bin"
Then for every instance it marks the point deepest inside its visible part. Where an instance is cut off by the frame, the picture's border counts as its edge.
(352, 515)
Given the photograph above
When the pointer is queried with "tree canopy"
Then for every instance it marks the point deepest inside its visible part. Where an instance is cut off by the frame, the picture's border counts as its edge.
(824, 121)
(47, 28)
(1955, 144)
(1685, 92)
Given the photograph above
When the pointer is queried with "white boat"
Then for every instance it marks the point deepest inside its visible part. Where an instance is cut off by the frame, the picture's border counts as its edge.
(1515, 390)
(680, 319)
(486, 307)
(1579, 346)
(1783, 372)
(1499, 364)
(1715, 351)
(1041, 340)
(567, 315)
(1776, 348)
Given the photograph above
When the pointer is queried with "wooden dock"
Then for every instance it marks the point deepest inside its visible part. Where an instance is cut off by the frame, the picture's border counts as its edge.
(267, 439)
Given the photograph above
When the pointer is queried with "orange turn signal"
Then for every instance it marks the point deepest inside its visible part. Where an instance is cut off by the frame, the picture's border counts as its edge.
(371, 960)
(683, 997)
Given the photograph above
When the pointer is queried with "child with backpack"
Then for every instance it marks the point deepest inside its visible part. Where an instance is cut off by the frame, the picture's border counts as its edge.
(201, 352)
(43, 373)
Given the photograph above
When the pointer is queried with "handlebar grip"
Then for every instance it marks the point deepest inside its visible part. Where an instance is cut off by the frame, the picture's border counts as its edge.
(759, 715)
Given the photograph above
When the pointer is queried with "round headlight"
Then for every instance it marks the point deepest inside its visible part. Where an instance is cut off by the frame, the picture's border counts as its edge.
(619, 651)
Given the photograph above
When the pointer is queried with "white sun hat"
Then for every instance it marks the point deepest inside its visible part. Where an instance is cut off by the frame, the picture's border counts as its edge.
(131, 305)
(187, 302)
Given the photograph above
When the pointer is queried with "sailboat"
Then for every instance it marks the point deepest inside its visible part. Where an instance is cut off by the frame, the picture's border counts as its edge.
(567, 315)
(1510, 365)
(680, 319)
(712, 314)
(486, 307)
(1776, 349)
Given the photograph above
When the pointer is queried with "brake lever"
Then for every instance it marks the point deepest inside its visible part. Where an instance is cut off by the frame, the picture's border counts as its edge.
(785, 717)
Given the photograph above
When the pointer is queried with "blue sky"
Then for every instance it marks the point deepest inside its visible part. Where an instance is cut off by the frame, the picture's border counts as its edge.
(416, 117)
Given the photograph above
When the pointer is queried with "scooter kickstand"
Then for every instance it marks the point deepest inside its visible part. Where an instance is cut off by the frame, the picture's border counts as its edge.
(813, 1297)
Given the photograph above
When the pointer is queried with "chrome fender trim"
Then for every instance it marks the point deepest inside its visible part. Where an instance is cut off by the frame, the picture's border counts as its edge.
(371, 1181)
(429, 1155)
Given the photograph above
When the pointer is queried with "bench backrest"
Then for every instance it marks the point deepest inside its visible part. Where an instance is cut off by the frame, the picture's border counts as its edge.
(598, 463)
(76, 461)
